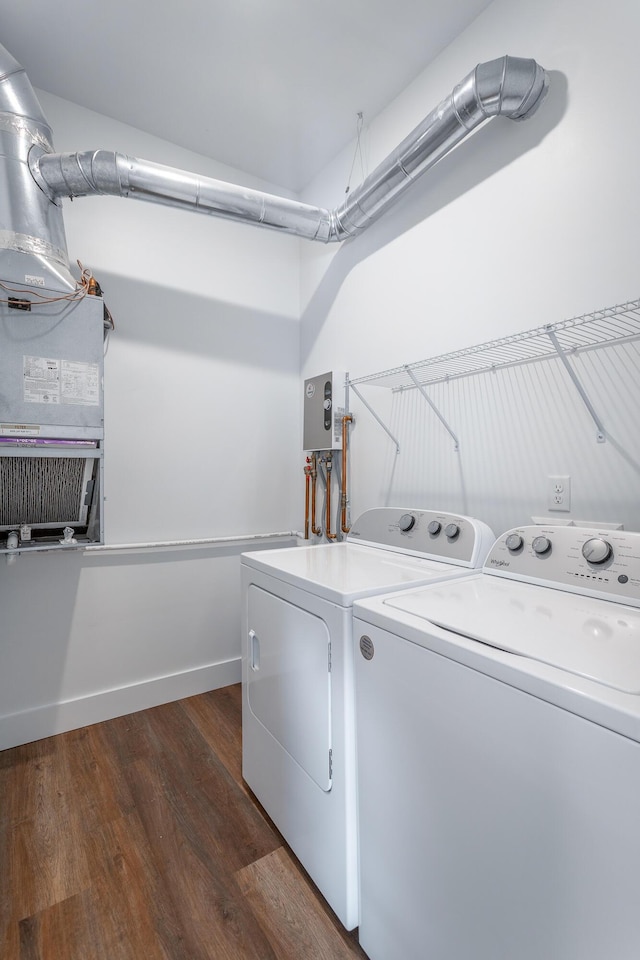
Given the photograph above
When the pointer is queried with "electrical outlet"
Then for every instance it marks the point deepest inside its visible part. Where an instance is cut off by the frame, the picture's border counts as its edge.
(559, 493)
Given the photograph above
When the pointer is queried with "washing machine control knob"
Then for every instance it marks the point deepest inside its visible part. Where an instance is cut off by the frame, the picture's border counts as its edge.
(452, 530)
(597, 550)
(407, 522)
(541, 545)
(434, 528)
(514, 541)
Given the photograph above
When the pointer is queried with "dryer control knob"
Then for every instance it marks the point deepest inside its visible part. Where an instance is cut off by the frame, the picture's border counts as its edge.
(514, 541)
(452, 530)
(407, 522)
(434, 528)
(541, 545)
(597, 550)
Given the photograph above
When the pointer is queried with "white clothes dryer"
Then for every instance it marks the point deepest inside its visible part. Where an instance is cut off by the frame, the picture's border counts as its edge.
(297, 673)
(498, 735)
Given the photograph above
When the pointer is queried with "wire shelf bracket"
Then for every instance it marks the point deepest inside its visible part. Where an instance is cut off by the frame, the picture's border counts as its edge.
(600, 434)
(434, 408)
(374, 415)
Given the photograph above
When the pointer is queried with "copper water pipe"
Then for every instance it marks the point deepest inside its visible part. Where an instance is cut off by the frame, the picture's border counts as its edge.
(343, 489)
(307, 477)
(327, 532)
(314, 477)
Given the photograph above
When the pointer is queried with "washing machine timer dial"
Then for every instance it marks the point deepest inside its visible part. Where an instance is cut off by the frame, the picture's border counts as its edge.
(407, 522)
(597, 550)
(514, 541)
(541, 545)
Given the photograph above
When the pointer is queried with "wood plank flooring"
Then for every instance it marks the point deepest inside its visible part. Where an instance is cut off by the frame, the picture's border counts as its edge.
(136, 839)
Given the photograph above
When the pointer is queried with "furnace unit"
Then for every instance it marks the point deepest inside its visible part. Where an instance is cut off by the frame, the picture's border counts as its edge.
(51, 419)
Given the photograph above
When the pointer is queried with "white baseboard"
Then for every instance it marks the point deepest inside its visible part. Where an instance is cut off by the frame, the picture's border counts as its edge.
(44, 721)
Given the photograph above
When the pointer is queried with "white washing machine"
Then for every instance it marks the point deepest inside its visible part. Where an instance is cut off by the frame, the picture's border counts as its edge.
(297, 673)
(498, 732)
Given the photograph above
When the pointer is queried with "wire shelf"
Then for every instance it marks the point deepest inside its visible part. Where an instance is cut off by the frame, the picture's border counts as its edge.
(612, 325)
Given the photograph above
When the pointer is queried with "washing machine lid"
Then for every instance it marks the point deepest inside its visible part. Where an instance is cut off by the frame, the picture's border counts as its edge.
(595, 639)
(344, 572)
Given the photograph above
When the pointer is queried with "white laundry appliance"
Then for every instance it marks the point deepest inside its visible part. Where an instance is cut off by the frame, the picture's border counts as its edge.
(498, 732)
(297, 673)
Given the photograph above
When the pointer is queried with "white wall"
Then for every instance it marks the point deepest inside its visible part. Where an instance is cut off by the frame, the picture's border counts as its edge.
(524, 224)
(201, 440)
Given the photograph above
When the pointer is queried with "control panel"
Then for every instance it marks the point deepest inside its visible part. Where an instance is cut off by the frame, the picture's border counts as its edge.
(441, 536)
(585, 560)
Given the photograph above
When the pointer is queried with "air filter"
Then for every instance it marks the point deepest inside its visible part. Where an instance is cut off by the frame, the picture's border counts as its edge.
(45, 492)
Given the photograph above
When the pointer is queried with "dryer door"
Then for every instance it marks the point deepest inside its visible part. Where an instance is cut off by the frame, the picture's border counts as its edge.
(289, 679)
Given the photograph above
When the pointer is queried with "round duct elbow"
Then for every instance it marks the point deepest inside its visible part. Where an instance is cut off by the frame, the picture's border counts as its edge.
(511, 87)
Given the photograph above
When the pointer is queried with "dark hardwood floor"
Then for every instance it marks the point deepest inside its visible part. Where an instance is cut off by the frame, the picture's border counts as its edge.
(136, 839)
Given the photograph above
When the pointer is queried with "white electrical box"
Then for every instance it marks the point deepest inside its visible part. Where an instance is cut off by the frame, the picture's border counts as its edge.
(324, 408)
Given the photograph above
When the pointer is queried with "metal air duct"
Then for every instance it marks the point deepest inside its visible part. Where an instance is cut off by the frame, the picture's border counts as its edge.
(33, 246)
(510, 87)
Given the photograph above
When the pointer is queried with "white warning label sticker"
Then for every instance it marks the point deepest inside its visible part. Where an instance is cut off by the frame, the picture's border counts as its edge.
(80, 383)
(41, 381)
(61, 381)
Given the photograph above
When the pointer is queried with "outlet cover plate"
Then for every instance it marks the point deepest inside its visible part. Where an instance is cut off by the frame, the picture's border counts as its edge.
(559, 493)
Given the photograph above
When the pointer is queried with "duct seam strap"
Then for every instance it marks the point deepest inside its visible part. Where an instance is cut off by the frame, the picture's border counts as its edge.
(22, 243)
(21, 127)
